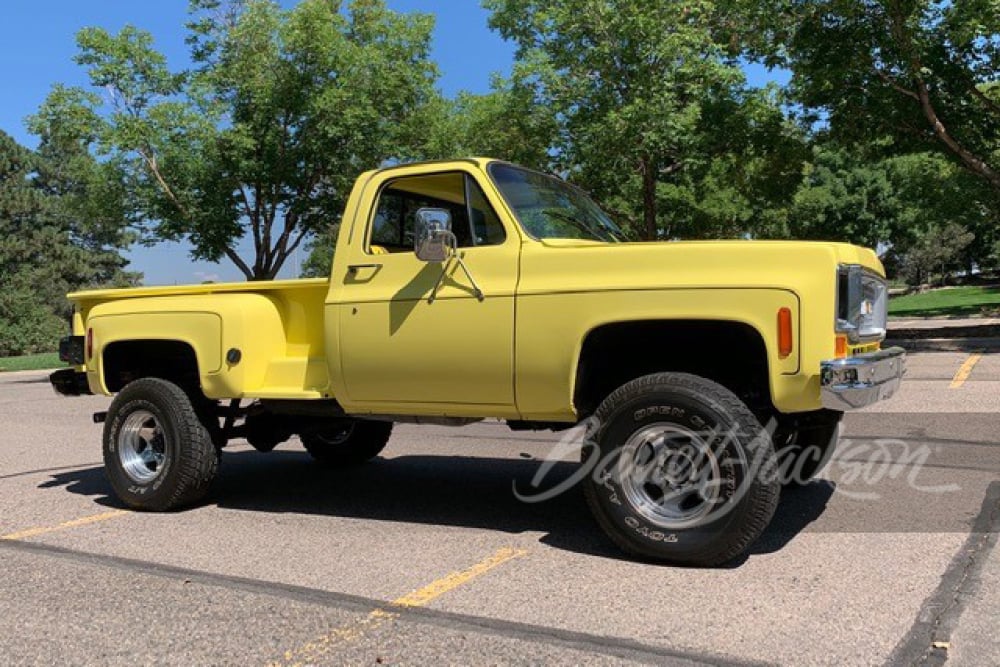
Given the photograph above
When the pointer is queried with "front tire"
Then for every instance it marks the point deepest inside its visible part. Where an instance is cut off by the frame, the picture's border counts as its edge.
(348, 442)
(158, 455)
(683, 472)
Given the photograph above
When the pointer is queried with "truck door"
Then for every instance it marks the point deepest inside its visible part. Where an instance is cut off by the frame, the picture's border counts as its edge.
(397, 345)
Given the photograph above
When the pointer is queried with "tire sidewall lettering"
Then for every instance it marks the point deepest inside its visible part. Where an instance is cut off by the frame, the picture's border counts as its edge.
(126, 483)
(626, 422)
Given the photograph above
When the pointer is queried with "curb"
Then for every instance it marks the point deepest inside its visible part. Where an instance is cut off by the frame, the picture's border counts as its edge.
(970, 344)
(14, 374)
(980, 331)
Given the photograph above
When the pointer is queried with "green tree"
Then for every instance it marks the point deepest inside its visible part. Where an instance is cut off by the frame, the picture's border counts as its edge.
(923, 72)
(264, 136)
(506, 123)
(320, 258)
(845, 198)
(936, 193)
(652, 111)
(938, 250)
(921, 210)
(48, 244)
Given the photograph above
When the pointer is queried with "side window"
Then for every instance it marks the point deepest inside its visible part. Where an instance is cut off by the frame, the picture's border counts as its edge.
(472, 218)
(486, 226)
(388, 228)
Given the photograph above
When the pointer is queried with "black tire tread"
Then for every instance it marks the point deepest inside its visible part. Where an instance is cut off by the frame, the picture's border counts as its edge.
(366, 441)
(762, 503)
(198, 459)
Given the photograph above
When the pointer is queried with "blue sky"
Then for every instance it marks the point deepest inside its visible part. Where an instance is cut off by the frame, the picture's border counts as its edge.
(38, 46)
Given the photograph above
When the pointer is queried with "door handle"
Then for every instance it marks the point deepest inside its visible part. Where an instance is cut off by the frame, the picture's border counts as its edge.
(354, 268)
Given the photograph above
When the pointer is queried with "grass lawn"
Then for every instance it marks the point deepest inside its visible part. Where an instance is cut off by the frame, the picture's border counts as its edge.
(31, 362)
(948, 302)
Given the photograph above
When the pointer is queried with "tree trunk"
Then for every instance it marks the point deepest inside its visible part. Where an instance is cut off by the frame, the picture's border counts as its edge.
(240, 264)
(649, 199)
(971, 161)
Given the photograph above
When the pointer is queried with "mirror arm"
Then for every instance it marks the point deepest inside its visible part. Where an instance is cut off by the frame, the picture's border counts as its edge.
(454, 254)
(475, 287)
(437, 285)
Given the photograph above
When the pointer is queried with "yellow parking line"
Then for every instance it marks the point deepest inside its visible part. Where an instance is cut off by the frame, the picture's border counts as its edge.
(965, 370)
(310, 653)
(41, 530)
(436, 589)
(317, 648)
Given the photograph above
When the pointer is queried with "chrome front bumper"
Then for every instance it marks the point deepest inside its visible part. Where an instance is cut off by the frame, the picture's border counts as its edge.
(854, 382)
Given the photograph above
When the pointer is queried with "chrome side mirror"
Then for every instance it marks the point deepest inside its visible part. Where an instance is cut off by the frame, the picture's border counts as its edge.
(433, 240)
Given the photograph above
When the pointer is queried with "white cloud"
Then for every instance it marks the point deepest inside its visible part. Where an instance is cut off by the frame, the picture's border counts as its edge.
(204, 277)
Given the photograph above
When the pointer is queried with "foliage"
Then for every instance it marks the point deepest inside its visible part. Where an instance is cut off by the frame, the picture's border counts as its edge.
(265, 134)
(645, 105)
(27, 324)
(321, 248)
(901, 206)
(923, 72)
(843, 198)
(653, 114)
(47, 245)
(506, 123)
(888, 136)
(938, 250)
(940, 195)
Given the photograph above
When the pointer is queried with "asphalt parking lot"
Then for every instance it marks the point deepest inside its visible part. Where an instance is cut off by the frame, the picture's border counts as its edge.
(426, 556)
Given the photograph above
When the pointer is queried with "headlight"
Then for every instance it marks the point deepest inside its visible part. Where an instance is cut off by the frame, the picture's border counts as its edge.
(862, 303)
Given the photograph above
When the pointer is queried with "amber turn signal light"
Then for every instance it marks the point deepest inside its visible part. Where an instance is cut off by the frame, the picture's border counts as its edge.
(840, 347)
(784, 332)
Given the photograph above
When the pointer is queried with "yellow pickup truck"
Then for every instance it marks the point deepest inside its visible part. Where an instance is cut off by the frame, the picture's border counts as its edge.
(705, 374)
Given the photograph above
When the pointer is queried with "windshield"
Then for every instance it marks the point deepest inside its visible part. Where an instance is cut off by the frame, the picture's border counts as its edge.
(548, 208)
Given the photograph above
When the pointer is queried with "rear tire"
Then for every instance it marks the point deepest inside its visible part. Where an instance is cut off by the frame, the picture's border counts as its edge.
(350, 442)
(158, 455)
(683, 471)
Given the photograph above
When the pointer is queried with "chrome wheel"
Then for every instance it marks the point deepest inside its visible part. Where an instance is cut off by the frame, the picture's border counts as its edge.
(142, 446)
(673, 476)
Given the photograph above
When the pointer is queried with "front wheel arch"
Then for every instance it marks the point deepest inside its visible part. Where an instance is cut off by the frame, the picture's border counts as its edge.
(729, 352)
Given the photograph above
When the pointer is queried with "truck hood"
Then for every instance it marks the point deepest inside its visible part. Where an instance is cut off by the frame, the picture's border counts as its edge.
(565, 265)
(845, 253)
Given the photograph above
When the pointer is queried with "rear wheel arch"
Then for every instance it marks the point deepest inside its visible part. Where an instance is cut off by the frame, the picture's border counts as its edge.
(176, 361)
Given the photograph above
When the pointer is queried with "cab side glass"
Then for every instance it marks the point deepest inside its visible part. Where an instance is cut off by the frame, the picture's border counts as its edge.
(486, 226)
(394, 224)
